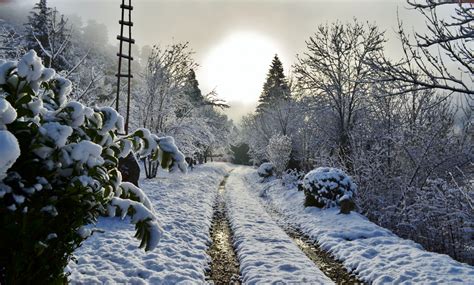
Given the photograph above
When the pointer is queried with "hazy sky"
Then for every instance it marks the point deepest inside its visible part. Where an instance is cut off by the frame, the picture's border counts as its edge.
(235, 40)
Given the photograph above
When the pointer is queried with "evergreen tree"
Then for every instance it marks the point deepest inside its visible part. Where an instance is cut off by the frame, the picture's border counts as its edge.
(275, 88)
(37, 27)
(193, 92)
(47, 34)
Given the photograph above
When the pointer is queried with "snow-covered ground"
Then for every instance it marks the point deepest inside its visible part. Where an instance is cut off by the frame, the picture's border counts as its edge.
(184, 207)
(266, 253)
(375, 254)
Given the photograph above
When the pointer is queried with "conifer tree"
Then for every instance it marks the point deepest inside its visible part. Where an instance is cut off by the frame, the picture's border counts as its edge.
(193, 92)
(47, 34)
(275, 87)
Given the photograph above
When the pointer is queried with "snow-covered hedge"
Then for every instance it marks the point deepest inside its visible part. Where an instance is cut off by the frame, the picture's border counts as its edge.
(266, 170)
(58, 172)
(327, 187)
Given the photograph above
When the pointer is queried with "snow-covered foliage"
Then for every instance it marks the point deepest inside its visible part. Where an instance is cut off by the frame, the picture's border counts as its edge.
(326, 187)
(266, 170)
(374, 254)
(278, 152)
(58, 172)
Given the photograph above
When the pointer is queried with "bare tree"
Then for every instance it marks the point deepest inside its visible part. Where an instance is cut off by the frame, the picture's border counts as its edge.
(441, 58)
(334, 71)
(165, 75)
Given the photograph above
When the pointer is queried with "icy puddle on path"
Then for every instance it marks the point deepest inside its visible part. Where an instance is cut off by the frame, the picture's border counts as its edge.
(224, 268)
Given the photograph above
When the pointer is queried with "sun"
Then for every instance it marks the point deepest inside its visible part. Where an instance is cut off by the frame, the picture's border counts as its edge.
(237, 66)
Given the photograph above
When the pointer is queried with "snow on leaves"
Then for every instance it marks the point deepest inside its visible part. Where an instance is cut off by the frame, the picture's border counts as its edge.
(60, 158)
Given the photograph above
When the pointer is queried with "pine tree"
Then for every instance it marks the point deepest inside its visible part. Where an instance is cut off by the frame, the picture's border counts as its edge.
(47, 34)
(38, 26)
(275, 87)
(193, 92)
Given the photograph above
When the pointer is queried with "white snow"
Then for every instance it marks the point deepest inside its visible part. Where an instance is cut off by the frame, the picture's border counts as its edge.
(87, 152)
(183, 205)
(375, 254)
(267, 254)
(112, 120)
(167, 144)
(5, 69)
(130, 189)
(62, 89)
(30, 66)
(57, 132)
(7, 113)
(9, 151)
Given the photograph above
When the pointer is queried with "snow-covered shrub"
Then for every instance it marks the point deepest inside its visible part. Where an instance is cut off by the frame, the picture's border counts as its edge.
(266, 170)
(327, 187)
(278, 152)
(293, 178)
(58, 173)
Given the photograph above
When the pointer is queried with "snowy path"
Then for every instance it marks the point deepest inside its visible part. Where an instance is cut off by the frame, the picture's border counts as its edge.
(184, 206)
(266, 253)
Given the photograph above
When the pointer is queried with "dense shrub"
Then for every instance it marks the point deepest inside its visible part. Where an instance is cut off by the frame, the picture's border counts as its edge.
(58, 173)
(266, 170)
(326, 187)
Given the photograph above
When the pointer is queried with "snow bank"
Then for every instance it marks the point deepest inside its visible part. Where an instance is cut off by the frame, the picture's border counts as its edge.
(375, 254)
(267, 255)
(184, 208)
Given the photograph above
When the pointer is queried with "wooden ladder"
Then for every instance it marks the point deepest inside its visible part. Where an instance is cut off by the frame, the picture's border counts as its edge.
(121, 55)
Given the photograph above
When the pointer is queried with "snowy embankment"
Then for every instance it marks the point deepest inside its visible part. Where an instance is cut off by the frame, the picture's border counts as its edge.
(266, 253)
(183, 204)
(375, 254)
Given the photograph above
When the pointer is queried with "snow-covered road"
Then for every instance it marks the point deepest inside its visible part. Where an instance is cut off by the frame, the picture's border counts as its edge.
(267, 254)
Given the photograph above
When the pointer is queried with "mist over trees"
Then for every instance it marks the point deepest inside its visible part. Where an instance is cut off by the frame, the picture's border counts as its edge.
(397, 127)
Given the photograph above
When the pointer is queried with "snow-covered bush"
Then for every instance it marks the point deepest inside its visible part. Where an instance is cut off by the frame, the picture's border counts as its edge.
(278, 152)
(58, 173)
(266, 170)
(293, 178)
(327, 187)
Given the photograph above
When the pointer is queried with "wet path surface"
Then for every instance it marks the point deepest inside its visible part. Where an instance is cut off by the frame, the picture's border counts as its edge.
(323, 260)
(224, 266)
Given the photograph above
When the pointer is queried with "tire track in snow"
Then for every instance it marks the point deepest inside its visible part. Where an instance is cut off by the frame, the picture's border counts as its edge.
(224, 268)
(322, 259)
(266, 253)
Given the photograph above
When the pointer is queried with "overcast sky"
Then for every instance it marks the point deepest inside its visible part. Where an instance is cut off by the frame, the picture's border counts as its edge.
(216, 29)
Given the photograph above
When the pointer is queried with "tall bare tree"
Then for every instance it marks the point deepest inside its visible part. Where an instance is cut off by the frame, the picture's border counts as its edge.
(335, 71)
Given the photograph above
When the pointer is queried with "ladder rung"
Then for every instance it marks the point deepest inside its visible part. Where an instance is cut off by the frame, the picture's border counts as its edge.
(125, 56)
(124, 75)
(126, 7)
(125, 39)
(126, 23)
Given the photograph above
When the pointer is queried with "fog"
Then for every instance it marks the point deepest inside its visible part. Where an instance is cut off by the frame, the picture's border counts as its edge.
(206, 23)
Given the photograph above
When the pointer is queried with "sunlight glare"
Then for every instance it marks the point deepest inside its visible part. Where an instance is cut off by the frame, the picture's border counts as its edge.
(238, 65)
